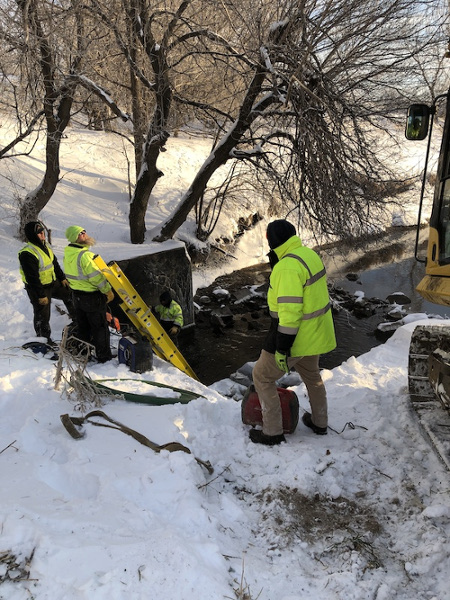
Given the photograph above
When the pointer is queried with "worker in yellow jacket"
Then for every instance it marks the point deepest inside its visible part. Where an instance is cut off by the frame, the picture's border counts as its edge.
(43, 278)
(301, 330)
(169, 314)
(91, 292)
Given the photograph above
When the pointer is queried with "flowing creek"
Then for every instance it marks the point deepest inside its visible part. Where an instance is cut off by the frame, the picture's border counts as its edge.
(216, 352)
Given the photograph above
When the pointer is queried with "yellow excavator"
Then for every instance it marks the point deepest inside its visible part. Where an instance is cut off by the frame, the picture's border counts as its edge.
(429, 352)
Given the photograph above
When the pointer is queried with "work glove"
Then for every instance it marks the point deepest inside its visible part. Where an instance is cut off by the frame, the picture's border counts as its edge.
(43, 301)
(65, 283)
(173, 330)
(110, 296)
(281, 358)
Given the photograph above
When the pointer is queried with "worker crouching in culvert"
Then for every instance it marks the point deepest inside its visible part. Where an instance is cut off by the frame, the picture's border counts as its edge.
(169, 314)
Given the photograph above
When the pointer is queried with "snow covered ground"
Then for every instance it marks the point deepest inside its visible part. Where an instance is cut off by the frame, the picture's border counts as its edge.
(363, 513)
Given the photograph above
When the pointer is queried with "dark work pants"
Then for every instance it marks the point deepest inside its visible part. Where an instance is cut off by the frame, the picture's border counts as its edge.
(41, 317)
(90, 319)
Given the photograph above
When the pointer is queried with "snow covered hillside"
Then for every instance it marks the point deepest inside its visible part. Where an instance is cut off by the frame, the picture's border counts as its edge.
(362, 513)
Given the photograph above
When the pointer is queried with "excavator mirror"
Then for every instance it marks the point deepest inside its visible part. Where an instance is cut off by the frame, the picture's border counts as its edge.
(417, 122)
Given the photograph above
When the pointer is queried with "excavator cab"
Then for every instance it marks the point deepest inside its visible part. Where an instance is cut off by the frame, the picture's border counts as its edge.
(435, 286)
(429, 352)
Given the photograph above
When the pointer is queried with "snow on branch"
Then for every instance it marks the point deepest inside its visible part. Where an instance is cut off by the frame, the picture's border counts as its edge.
(278, 26)
(278, 30)
(266, 58)
(267, 100)
(102, 94)
(157, 140)
(243, 154)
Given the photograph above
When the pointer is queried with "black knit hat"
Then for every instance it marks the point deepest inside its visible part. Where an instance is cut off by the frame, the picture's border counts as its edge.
(278, 232)
(31, 230)
(165, 297)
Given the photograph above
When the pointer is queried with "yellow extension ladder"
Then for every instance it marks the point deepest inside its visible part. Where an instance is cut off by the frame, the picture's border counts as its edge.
(142, 317)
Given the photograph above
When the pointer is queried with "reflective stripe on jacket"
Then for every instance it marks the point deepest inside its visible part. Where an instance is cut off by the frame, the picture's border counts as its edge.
(171, 313)
(81, 271)
(298, 297)
(46, 267)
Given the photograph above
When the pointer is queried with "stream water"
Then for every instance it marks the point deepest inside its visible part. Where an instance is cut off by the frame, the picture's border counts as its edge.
(357, 336)
(214, 356)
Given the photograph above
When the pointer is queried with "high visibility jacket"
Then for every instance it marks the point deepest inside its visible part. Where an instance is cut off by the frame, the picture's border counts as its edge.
(81, 271)
(46, 266)
(171, 313)
(298, 297)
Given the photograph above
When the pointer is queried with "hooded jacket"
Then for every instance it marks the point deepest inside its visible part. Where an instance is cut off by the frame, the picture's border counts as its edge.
(172, 313)
(299, 303)
(81, 271)
(38, 264)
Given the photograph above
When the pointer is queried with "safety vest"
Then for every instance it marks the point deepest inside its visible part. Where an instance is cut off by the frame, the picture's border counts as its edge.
(46, 267)
(171, 313)
(298, 297)
(81, 271)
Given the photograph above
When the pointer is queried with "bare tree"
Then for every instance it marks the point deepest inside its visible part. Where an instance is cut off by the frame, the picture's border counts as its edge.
(320, 76)
(287, 91)
(289, 88)
(49, 42)
(14, 98)
(166, 48)
(54, 89)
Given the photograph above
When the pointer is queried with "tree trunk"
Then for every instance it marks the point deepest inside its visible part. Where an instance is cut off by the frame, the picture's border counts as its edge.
(146, 181)
(36, 200)
(56, 121)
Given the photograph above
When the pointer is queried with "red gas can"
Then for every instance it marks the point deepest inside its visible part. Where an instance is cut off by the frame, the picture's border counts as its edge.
(251, 409)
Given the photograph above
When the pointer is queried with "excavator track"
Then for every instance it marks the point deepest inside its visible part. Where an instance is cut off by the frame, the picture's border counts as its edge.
(429, 384)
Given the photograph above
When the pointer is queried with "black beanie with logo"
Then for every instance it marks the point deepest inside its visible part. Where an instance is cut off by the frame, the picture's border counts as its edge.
(278, 232)
(31, 232)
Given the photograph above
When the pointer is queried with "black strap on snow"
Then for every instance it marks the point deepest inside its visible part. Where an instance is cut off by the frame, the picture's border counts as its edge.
(71, 423)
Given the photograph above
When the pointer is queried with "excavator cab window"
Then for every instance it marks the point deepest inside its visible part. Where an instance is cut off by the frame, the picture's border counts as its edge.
(444, 206)
(417, 122)
(444, 222)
